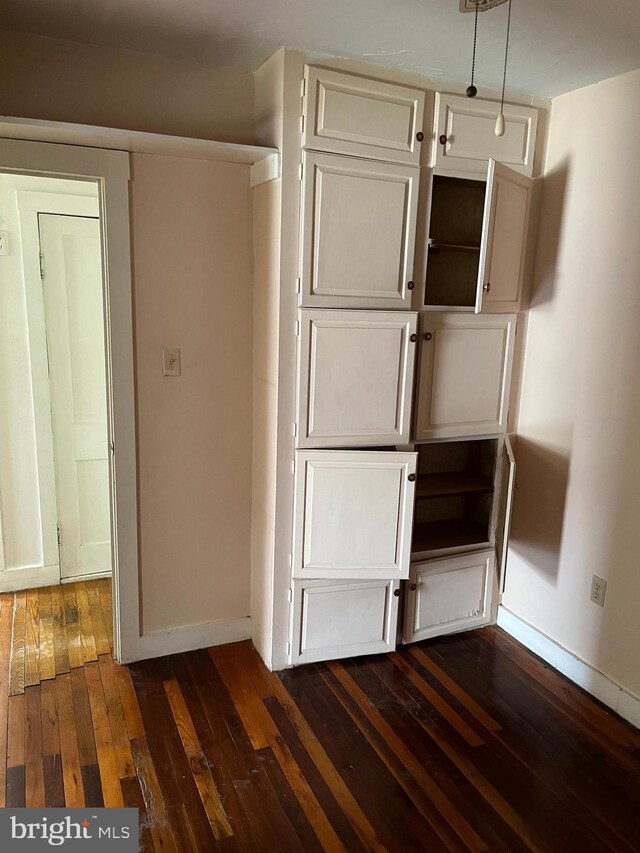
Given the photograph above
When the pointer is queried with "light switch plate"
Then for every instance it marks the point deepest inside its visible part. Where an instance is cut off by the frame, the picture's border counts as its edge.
(171, 361)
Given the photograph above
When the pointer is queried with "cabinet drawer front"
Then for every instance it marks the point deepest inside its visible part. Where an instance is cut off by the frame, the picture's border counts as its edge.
(356, 377)
(336, 619)
(353, 514)
(465, 375)
(468, 126)
(452, 594)
(358, 232)
(346, 114)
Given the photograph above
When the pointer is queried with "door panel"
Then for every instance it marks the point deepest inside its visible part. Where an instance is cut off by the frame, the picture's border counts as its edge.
(73, 298)
(346, 114)
(504, 240)
(450, 595)
(336, 619)
(359, 229)
(356, 377)
(353, 514)
(465, 375)
(469, 125)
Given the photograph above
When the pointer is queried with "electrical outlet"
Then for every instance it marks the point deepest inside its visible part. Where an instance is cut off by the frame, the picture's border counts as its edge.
(598, 590)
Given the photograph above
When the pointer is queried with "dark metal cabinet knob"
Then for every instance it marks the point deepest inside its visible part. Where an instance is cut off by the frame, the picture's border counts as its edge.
(413, 587)
(427, 336)
(411, 285)
(419, 136)
(443, 139)
(396, 592)
(413, 338)
(411, 478)
(486, 287)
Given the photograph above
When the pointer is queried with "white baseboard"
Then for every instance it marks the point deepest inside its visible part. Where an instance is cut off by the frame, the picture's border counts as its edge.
(90, 576)
(191, 637)
(581, 673)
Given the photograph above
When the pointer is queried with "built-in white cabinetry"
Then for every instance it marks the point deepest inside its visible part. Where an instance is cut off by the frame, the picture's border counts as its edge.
(347, 114)
(465, 135)
(477, 241)
(450, 594)
(337, 619)
(358, 232)
(355, 377)
(353, 514)
(464, 377)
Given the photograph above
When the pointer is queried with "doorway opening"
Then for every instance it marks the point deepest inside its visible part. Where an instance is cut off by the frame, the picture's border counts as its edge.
(56, 549)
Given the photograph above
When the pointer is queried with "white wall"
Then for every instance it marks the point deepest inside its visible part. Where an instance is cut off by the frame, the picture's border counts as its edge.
(577, 505)
(20, 504)
(192, 281)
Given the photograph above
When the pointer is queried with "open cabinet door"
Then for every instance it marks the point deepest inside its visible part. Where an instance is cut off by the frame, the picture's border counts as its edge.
(507, 487)
(504, 240)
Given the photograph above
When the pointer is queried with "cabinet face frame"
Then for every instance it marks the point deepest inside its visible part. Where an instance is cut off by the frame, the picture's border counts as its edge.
(313, 292)
(441, 568)
(370, 100)
(316, 360)
(437, 324)
(315, 493)
(303, 595)
(505, 491)
(520, 121)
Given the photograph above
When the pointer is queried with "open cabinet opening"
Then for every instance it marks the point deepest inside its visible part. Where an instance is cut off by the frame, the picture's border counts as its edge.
(454, 495)
(457, 210)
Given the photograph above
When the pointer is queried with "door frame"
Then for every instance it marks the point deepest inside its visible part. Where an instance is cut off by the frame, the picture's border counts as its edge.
(110, 171)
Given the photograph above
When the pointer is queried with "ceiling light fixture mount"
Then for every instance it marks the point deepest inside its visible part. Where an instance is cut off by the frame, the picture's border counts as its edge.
(481, 5)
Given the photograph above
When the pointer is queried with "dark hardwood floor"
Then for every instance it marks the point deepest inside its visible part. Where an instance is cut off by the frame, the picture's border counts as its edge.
(461, 743)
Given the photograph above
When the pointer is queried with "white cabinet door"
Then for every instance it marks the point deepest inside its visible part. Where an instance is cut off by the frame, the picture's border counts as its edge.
(465, 375)
(468, 129)
(358, 232)
(346, 114)
(504, 240)
(356, 377)
(339, 619)
(353, 513)
(450, 595)
(505, 491)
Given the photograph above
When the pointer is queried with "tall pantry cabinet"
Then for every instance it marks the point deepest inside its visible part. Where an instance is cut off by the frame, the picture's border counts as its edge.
(403, 471)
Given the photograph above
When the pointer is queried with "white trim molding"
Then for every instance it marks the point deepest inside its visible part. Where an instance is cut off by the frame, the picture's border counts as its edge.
(189, 637)
(581, 673)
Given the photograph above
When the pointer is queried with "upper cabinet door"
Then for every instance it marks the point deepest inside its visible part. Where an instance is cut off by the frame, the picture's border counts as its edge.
(465, 375)
(346, 114)
(504, 240)
(356, 377)
(358, 232)
(465, 139)
(353, 513)
(506, 487)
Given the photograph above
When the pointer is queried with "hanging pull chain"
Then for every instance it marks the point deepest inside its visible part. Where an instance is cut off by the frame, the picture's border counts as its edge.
(499, 130)
(471, 90)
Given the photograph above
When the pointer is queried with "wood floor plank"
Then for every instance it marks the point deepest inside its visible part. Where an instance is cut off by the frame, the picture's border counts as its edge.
(32, 639)
(218, 818)
(104, 590)
(132, 797)
(109, 777)
(47, 646)
(82, 715)
(15, 788)
(15, 723)
(100, 635)
(246, 701)
(72, 625)
(18, 643)
(34, 766)
(71, 767)
(6, 624)
(119, 733)
(130, 706)
(59, 630)
(155, 806)
(87, 638)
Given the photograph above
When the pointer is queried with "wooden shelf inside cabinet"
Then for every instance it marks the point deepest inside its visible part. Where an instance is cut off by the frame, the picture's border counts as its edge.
(452, 533)
(452, 483)
(434, 245)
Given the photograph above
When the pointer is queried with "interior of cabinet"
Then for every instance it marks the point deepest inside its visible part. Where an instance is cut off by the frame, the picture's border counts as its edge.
(457, 211)
(454, 494)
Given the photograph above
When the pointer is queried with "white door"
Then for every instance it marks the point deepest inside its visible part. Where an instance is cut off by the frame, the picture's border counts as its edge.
(353, 513)
(354, 115)
(506, 487)
(358, 232)
(503, 245)
(338, 619)
(465, 139)
(449, 595)
(74, 319)
(356, 377)
(465, 375)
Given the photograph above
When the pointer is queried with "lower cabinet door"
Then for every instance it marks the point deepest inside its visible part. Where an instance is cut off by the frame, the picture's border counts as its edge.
(339, 619)
(449, 595)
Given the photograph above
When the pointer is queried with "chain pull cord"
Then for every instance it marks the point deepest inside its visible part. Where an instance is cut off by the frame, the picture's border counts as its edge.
(499, 129)
(471, 90)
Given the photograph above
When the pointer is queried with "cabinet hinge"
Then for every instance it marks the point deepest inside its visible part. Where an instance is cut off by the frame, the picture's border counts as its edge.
(290, 563)
(290, 595)
(301, 124)
(293, 467)
(41, 265)
(303, 87)
(297, 328)
(288, 650)
(295, 429)
(59, 536)
(298, 285)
